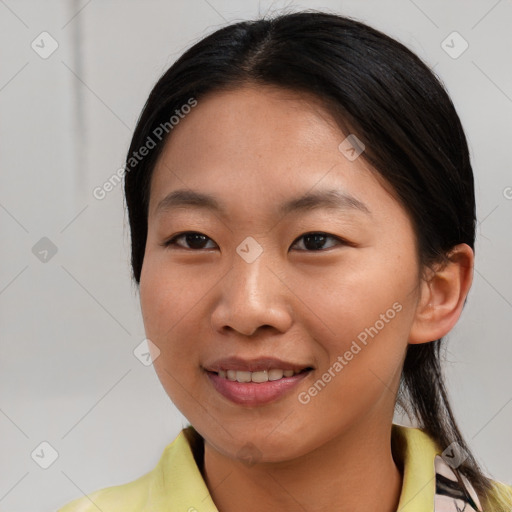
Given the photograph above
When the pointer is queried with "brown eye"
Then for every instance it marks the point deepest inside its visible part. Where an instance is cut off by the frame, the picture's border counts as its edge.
(192, 239)
(316, 241)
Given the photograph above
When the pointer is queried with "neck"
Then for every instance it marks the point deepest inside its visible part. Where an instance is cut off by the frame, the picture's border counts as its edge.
(353, 472)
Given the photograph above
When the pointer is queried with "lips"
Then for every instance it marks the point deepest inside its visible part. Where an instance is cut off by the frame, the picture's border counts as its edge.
(255, 382)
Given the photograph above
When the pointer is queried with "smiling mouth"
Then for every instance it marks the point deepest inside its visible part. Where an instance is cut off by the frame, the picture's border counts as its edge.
(261, 376)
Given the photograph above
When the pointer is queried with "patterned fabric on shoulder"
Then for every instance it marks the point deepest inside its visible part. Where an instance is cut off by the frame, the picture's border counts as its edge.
(454, 493)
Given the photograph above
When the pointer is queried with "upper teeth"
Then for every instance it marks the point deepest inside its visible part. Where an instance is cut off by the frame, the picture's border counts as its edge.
(261, 376)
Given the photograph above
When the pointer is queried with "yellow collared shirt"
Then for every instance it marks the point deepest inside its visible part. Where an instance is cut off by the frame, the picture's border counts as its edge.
(430, 482)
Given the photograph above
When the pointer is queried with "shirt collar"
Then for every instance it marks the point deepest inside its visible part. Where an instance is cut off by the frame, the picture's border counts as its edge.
(417, 452)
(179, 485)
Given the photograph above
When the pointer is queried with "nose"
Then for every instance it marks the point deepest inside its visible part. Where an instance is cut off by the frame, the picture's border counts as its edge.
(252, 296)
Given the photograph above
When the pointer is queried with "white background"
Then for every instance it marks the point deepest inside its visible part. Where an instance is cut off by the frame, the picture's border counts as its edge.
(68, 327)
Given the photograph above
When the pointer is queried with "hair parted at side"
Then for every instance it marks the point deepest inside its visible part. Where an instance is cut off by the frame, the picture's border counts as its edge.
(374, 87)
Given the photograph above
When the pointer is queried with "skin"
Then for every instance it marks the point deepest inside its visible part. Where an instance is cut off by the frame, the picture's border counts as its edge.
(254, 148)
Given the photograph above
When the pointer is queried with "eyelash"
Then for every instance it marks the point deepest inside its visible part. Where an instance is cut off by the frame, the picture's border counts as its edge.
(172, 241)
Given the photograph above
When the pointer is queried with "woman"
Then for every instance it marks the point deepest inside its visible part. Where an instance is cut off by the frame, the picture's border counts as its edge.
(302, 216)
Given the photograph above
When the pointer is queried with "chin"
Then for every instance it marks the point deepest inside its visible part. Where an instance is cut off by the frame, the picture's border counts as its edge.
(259, 447)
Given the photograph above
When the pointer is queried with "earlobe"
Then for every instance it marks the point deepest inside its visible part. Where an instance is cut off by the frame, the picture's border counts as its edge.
(442, 296)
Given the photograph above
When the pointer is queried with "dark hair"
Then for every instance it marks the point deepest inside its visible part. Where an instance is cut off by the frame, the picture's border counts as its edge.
(374, 87)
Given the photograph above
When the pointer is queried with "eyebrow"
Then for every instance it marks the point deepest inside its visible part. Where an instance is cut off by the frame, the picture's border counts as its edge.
(332, 199)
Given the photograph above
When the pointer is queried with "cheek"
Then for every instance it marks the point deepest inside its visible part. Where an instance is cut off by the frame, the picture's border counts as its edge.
(167, 295)
(174, 302)
(167, 299)
(167, 302)
(362, 352)
(363, 314)
(344, 302)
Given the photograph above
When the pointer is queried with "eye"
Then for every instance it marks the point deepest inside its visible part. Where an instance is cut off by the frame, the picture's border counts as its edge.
(192, 238)
(315, 241)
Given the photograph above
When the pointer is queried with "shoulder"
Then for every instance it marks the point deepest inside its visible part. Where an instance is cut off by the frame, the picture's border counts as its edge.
(502, 496)
(503, 489)
(430, 473)
(161, 484)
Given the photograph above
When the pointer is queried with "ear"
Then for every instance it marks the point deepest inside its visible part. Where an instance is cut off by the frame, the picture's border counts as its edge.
(442, 296)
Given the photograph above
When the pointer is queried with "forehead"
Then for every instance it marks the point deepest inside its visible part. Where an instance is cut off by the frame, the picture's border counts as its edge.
(253, 119)
(256, 144)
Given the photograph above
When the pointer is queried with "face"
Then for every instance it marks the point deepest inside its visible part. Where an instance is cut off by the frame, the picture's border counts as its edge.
(318, 297)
